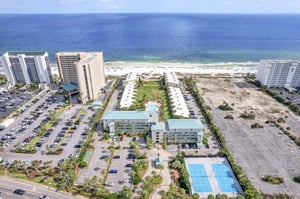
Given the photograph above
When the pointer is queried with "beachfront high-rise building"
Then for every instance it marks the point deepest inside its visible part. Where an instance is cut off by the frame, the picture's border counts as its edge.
(279, 73)
(84, 69)
(26, 67)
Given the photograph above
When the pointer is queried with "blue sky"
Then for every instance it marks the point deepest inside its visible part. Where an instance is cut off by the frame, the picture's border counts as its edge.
(152, 6)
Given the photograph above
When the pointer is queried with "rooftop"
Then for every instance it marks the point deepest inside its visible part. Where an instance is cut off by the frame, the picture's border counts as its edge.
(97, 103)
(107, 87)
(27, 53)
(184, 124)
(87, 59)
(126, 115)
(70, 87)
(160, 126)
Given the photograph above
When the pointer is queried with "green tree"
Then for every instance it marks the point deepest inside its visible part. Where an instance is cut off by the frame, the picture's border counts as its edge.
(148, 142)
(176, 164)
(210, 196)
(196, 196)
(126, 192)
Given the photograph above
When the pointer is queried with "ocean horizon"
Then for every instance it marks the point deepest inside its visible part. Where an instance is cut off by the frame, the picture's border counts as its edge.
(178, 38)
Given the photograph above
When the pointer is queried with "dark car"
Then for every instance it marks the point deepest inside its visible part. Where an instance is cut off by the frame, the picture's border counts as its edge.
(113, 171)
(129, 165)
(77, 146)
(116, 157)
(19, 191)
(39, 144)
(103, 157)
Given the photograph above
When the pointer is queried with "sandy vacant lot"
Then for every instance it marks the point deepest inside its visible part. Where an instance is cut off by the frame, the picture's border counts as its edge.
(264, 151)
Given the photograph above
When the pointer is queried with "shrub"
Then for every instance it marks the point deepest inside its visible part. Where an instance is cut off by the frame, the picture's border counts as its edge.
(280, 120)
(210, 196)
(225, 107)
(204, 141)
(229, 117)
(297, 179)
(82, 164)
(256, 126)
(136, 179)
(273, 179)
(248, 116)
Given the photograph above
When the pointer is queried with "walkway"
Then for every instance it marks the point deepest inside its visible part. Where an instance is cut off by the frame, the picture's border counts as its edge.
(165, 173)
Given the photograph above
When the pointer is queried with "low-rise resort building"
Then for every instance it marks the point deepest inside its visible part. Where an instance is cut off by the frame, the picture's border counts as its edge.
(173, 130)
(183, 130)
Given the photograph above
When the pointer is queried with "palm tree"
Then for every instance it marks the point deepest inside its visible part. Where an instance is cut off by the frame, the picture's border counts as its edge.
(126, 192)
(47, 163)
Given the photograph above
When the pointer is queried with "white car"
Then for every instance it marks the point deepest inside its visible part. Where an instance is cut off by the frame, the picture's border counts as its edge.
(44, 197)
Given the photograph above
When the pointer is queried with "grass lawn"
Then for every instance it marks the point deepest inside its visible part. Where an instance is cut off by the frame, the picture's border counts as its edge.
(151, 91)
(18, 175)
(48, 182)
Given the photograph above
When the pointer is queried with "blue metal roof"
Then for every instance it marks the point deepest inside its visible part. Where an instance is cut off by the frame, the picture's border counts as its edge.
(160, 126)
(126, 115)
(184, 124)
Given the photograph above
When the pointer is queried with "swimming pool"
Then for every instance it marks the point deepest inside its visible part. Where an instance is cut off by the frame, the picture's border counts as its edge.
(224, 178)
(152, 108)
(199, 178)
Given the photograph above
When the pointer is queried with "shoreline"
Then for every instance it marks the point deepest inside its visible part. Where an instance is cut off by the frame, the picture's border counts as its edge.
(118, 68)
(122, 68)
(178, 63)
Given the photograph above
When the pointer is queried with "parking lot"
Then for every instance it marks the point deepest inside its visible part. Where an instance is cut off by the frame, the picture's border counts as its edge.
(66, 135)
(11, 100)
(119, 172)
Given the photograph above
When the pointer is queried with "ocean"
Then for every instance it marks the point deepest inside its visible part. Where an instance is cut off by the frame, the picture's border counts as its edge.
(194, 38)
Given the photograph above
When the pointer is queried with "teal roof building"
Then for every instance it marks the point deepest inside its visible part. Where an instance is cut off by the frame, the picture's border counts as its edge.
(177, 124)
(126, 115)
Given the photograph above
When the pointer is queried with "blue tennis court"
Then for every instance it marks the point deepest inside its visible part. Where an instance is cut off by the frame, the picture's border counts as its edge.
(224, 178)
(199, 178)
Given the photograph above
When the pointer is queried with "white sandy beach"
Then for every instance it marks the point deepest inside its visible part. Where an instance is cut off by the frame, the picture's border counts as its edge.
(123, 68)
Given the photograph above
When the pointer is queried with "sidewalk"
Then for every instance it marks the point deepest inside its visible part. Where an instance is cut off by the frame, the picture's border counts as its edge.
(165, 173)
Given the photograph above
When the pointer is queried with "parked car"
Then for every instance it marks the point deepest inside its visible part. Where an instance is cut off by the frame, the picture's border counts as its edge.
(113, 171)
(44, 197)
(19, 191)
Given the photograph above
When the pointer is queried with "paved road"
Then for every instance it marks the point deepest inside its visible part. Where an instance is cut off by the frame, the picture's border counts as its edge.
(8, 185)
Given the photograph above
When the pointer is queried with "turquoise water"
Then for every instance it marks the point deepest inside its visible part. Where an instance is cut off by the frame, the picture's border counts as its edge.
(199, 178)
(204, 38)
(152, 108)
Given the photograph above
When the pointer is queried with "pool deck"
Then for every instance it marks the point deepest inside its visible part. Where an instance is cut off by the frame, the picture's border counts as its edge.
(207, 163)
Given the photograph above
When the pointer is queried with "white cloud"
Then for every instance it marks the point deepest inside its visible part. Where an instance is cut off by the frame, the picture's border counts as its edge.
(109, 3)
(228, 3)
(295, 3)
(106, 3)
